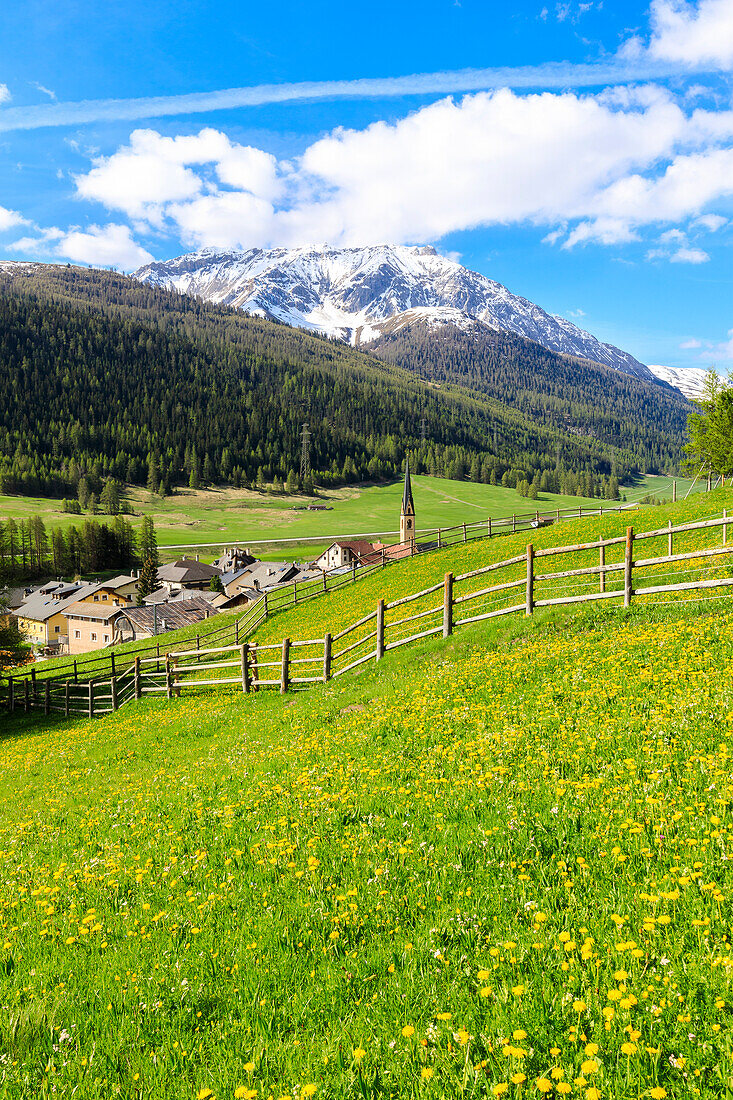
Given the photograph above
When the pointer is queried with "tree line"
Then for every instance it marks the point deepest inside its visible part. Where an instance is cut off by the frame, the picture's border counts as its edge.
(30, 551)
(107, 381)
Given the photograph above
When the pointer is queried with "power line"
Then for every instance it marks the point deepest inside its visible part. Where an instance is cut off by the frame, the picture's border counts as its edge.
(305, 453)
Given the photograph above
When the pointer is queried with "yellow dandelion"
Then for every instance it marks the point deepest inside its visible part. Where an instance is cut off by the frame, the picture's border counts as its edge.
(408, 1031)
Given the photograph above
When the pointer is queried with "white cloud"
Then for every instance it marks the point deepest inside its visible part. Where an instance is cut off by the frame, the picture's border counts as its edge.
(5, 95)
(691, 34)
(103, 246)
(688, 345)
(689, 256)
(589, 168)
(711, 222)
(153, 171)
(9, 219)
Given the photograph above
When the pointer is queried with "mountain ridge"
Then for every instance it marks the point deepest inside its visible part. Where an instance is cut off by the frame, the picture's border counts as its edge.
(352, 293)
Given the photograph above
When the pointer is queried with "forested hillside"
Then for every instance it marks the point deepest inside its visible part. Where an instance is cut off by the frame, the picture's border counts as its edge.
(103, 377)
(556, 390)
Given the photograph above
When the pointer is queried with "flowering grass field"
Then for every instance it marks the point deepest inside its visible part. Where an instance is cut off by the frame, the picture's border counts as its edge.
(496, 866)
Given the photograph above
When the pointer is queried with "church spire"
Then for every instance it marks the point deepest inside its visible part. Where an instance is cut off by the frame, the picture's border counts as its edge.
(407, 515)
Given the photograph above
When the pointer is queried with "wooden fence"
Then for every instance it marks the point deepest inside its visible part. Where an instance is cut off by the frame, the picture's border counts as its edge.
(607, 569)
(111, 664)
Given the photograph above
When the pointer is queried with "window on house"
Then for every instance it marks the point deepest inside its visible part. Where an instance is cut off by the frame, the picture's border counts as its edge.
(57, 630)
(96, 599)
(94, 636)
(106, 637)
(77, 633)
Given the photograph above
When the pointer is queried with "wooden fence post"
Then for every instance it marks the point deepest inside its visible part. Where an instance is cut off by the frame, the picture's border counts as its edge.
(464, 533)
(670, 538)
(580, 511)
(380, 630)
(448, 605)
(11, 694)
(27, 703)
(47, 697)
(35, 688)
(324, 580)
(529, 600)
(265, 603)
(628, 566)
(384, 558)
(440, 537)
(236, 631)
(326, 658)
(295, 593)
(489, 527)
(91, 698)
(175, 684)
(602, 564)
(67, 707)
(674, 492)
(254, 668)
(168, 682)
(138, 690)
(157, 663)
(725, 527)
(113, 691)
(76, 674)
(284, 678)
(244, 655)
(353, 571)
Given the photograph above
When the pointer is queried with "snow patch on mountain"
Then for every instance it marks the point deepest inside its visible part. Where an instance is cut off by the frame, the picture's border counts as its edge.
(350, 293)
(687, 379)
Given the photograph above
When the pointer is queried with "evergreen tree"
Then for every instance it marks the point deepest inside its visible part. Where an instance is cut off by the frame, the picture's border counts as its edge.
(148, 542)
(148, 579)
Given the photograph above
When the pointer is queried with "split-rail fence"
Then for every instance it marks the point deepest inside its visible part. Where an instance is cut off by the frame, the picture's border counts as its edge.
(118, 665)
(607, 569)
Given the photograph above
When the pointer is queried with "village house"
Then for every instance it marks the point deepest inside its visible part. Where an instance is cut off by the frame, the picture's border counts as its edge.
(186, 573)
(90, 625)
(340, 555)
(41, 618)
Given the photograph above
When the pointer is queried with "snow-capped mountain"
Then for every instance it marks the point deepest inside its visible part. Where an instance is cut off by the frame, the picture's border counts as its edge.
(689, 380)
(356, 293)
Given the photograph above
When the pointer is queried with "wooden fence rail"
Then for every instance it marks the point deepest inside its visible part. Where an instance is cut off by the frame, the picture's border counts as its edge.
(296, 663)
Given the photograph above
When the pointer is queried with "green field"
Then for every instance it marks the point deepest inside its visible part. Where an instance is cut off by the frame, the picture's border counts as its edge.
(496, 866)
(195, 518)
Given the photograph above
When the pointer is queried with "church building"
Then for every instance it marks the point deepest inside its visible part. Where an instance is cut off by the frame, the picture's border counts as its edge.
(407, 515)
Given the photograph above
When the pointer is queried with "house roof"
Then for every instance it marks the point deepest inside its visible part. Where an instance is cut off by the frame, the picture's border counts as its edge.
(269, 573)
(187, 571)
(42, 605)
(98, 611)
(120, 582)
(171, 616)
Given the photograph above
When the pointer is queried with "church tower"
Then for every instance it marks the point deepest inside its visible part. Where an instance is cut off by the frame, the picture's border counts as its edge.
(407, 515)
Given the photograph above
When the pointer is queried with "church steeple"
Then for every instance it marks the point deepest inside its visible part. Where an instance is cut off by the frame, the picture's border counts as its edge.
(407, 515)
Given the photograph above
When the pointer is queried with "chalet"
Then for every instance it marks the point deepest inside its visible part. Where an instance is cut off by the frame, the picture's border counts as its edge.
(41, 616)
(91, 625)
(342, 554)
(267, 574)
(186, 573)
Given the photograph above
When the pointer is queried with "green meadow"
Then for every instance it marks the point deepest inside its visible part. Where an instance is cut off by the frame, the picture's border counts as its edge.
(191, 518)
(493, 866)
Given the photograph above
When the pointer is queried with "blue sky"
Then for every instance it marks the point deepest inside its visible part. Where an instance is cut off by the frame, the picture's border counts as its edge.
(580, 153)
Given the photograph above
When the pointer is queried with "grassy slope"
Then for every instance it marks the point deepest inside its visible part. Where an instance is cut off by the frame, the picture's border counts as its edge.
(340, 608)
(510, 844)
